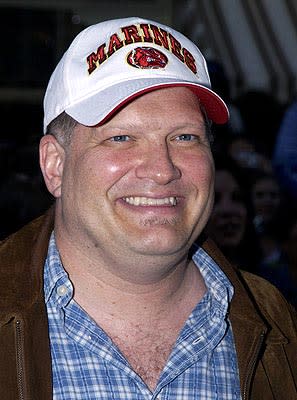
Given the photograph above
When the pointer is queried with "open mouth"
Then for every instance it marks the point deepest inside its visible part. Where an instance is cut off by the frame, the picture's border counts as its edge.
(149, 201)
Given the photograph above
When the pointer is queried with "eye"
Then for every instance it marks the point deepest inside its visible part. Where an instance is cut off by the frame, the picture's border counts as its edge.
(120, 138)
(186, 137)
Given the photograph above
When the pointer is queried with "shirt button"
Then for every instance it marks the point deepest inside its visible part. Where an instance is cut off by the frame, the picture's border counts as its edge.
(62, 290)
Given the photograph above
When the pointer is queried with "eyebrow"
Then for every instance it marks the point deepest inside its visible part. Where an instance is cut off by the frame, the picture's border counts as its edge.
(136, 126)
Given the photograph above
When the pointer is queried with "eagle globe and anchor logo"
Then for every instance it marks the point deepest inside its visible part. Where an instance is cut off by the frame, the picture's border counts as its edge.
(147, 58)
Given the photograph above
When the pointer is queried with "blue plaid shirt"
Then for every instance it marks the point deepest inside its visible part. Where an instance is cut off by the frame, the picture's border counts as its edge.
(86, 365)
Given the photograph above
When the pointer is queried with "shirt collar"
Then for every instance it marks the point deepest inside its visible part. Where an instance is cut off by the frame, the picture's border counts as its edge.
(57, 285)
(55, 277)
(219, 287)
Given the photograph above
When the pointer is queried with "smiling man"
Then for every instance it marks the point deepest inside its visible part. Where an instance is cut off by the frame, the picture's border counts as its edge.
(105, 296)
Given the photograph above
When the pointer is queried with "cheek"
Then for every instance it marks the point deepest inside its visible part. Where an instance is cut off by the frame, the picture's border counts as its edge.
(238, 210)
(200, 170)
(103, 170)
(106, 171)
(243, 213)
(201, 179)
(213, 222)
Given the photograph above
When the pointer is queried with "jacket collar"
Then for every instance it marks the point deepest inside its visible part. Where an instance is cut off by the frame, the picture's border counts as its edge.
(22, 258)
(28, 247)
(249, 323)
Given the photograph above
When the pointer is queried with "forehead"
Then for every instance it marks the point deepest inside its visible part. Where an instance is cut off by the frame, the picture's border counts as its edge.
(168, 104)
(179, 93)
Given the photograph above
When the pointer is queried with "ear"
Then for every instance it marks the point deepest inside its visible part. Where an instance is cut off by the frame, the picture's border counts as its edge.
(51, 158)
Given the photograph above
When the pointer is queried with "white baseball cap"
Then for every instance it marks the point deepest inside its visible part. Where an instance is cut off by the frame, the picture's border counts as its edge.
(110, 63)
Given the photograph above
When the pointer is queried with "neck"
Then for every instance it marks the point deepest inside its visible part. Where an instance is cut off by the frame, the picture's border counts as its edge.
(138, 292)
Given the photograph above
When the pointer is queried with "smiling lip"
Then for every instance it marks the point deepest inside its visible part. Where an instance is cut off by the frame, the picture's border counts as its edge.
(150, 201)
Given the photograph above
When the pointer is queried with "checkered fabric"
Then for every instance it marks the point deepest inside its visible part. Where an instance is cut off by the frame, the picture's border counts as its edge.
(86, 365)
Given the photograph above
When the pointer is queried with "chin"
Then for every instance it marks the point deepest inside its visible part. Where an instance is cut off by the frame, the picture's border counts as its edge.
(159, 245)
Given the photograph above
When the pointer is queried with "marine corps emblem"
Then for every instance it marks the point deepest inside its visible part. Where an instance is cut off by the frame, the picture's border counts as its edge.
(147, 58)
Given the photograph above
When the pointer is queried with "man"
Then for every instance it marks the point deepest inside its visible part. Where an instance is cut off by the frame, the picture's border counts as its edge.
(101, 298)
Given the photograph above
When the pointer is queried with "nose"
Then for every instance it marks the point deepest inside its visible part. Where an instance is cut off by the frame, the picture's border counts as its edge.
(225, 206)
(158, 165)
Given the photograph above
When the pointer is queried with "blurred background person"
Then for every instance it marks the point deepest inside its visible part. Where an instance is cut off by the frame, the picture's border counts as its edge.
(291, 250)
(230, 224)
(285, 151)
(266, 199)
(272, 222)
(242, 150)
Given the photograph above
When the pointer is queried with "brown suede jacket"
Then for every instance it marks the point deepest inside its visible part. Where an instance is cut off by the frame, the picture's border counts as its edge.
(264, 325)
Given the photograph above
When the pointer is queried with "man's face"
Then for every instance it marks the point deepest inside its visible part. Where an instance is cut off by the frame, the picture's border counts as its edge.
(142, 183)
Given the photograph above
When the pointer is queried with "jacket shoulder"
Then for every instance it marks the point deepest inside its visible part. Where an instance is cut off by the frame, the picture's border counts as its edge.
(270, 302)
(22, 256)
(18, 243)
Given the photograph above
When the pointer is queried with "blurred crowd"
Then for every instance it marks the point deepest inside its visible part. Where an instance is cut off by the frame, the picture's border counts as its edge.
(254, 220)
(23, 195)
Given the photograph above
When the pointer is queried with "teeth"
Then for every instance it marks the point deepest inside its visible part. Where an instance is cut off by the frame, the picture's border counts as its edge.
(148, 201)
